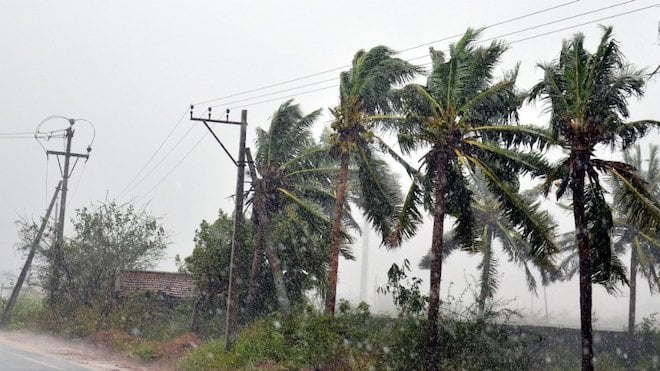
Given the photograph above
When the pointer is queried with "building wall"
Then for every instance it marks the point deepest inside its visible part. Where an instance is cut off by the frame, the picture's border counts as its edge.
(173, 284)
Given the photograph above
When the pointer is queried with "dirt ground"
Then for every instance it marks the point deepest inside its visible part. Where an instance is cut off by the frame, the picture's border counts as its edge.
(81, 352)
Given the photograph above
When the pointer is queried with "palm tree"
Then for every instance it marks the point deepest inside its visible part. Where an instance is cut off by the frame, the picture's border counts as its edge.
(587, 94)
(364, 91)
(460, 119)
(493, 226)
(292, 188)
(644, 244)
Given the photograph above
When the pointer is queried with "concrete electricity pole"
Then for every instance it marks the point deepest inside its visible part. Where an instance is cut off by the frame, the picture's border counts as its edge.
(26, 267)
(58, 259)
(231, 323)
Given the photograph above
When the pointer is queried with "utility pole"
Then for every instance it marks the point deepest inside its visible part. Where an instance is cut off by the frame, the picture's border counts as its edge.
(26, 267)
(58, 259)
(231, 322)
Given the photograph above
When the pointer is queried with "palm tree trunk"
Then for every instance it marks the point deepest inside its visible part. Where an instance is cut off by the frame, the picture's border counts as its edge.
(631, 305)
(485, 271)
(336, 235)
(436, 263)
(256, 264)
(585, 264)
(273, 259)
(278, 277)
(257, 203)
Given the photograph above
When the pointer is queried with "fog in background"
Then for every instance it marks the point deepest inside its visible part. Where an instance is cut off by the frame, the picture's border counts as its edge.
(133, 69)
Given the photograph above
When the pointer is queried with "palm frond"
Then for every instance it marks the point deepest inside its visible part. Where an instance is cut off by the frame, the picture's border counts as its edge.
(379, 190)
(535, 225)
(409, 215)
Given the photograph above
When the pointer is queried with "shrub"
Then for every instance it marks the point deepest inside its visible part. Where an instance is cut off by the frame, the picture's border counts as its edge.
(27, 311)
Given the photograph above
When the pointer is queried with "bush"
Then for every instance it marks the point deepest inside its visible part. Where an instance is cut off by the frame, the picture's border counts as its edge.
(27, 311)
(306, 339)
(150, 316)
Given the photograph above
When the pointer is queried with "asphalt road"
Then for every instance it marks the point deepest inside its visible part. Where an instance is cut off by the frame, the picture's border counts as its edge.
(12, 359)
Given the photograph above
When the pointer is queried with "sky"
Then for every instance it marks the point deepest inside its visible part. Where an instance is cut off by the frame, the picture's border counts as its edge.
(133, 69)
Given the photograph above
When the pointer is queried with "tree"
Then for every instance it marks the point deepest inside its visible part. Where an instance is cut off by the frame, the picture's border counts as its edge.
(209, 265)
(106, 239)
(492, 226)
(292, 187)
(644, 244)
(586, 94)
(365, 90)
(460, 119)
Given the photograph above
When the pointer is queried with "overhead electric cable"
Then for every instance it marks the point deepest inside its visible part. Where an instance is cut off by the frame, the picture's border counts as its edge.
(411, 48)
(174, 168)
(285, 97)
(492, 25)
(593, 11)
(273, 93)
(482, 41)
(585, 23)
(161, 160)
(176, 125)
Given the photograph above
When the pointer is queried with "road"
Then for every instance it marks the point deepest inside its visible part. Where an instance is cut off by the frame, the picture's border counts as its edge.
(12, 359)
(23, 350)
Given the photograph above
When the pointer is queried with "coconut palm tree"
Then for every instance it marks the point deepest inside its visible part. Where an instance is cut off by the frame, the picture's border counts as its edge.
(292, 188)
(460, 119)
(586, 95)
(492, 226)
(364, 92)
(644, 244)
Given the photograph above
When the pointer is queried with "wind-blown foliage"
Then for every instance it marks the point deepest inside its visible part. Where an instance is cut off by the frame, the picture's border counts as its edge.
(643, 243)
(291, 202)
(365, 92)
(587, 95)
(493, 229)
(460, 119)
(106, 239)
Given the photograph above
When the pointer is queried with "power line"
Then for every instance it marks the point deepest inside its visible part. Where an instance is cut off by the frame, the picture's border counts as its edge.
(286, 97)
(174, 168)
(273, 93)
(176, 125)
(161, 160)
(585, 23)
(18, 133)
(593, 11)
(426, 44)
(493, 38)
(407, 49)
(493, 25)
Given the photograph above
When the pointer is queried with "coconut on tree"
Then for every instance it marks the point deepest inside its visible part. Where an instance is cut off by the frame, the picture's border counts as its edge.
(587, 95)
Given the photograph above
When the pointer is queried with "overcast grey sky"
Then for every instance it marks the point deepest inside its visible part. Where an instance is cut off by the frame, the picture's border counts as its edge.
(133, 68)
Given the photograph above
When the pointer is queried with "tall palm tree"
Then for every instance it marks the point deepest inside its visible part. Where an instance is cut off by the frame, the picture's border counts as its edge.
(292, 187)
(586, 94)
(364, 91)
(492, 226)
(644, 244)
(460, 119)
